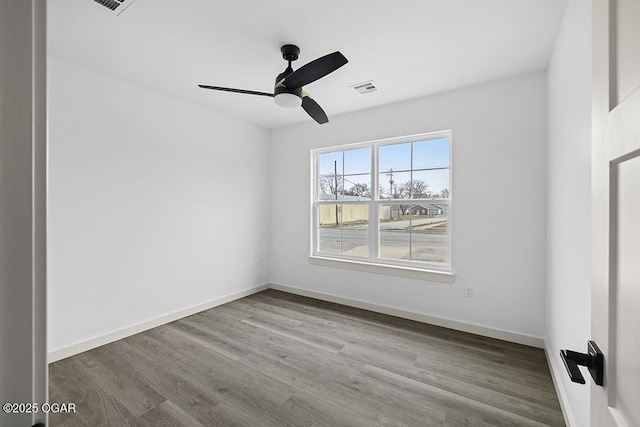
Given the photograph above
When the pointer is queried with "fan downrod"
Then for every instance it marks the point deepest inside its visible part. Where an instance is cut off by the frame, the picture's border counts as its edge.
(290, 52)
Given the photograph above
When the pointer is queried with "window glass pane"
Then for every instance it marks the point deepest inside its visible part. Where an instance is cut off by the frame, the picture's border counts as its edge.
(329, 215)
(357, 161)
(394, 231)
(329, 187)
(396, 157)
(431, 184)
(329, 228)
(411, 178)
(432, 153)
(429, 225)
(328, 163)
(417, 188)
(394, 184)
(357, 187)
(355, 229)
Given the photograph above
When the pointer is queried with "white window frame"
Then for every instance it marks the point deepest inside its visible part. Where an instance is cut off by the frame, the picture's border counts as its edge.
(414, 269)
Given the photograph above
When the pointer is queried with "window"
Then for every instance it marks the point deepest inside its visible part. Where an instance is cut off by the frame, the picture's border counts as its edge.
(384, 202)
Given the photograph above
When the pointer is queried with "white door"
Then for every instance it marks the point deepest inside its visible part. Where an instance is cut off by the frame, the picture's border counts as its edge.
(616, 211)
(23, 367)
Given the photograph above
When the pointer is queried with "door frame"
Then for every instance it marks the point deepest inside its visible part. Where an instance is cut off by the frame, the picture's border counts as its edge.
(23, 209)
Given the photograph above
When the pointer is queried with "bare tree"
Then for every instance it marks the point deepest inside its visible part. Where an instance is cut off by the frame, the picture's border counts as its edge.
(400, 192)
(328, 185)
(444, 193)
(360, 190)
(416, 189)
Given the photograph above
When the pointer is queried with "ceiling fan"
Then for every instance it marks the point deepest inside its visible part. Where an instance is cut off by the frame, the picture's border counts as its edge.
(287, 91)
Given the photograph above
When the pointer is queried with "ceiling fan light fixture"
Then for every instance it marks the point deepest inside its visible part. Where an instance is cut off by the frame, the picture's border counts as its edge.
(288, 100)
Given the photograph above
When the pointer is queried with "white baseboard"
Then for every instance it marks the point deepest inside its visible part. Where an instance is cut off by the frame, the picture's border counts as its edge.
(473, 328)
(63, 353)
(557, 383)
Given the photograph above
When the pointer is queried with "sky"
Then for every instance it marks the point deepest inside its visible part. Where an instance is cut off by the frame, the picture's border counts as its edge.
(431, 153)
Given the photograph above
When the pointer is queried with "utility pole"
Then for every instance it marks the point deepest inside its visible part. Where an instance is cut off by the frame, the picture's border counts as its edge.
(335, 175)
(390, 175)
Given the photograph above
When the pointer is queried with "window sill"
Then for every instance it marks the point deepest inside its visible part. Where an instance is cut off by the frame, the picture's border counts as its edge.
(391, 270)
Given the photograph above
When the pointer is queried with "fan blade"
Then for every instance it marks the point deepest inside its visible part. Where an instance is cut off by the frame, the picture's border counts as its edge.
(314, 70)
(229, 89)
(313, 109)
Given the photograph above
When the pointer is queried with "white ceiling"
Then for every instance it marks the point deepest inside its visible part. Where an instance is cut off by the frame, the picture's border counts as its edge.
(410, 48)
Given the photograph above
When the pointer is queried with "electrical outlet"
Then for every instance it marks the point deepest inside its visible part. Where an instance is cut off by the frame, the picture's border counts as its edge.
(257, 265)
(468, 291)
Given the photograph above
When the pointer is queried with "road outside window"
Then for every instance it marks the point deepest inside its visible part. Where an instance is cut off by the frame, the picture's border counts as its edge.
(385, 202)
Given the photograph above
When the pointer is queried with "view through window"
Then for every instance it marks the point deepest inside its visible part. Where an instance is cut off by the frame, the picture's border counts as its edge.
(386, 202)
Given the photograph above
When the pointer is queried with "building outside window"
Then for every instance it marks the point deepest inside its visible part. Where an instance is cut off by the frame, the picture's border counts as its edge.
(384, 202)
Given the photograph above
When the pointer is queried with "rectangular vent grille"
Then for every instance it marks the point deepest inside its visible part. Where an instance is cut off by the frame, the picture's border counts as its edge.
(366, 87)
(110, 4)
(116, 6)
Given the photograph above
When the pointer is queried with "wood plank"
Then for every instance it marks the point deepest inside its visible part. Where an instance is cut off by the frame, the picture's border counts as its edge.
(167, 414)
(94, 405)
(198, 401)
(454, 403)
(299, 336)
(277, 359)
(106, 368)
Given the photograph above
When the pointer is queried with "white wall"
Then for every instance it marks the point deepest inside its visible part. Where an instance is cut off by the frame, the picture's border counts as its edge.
(569, 203)
(499, 185)
(156, 205)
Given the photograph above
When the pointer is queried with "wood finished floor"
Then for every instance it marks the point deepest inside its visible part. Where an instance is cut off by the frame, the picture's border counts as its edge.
(276, 359)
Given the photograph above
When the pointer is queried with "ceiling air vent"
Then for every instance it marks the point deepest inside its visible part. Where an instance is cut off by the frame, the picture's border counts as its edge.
(366, 87)
(116, 6)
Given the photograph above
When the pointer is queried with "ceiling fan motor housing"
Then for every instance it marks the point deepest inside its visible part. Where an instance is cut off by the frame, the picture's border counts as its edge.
(284, 96)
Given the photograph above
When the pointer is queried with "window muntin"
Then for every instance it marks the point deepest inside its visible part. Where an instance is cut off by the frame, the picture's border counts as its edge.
(386, 202)
(343, 228)
(345, 172)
